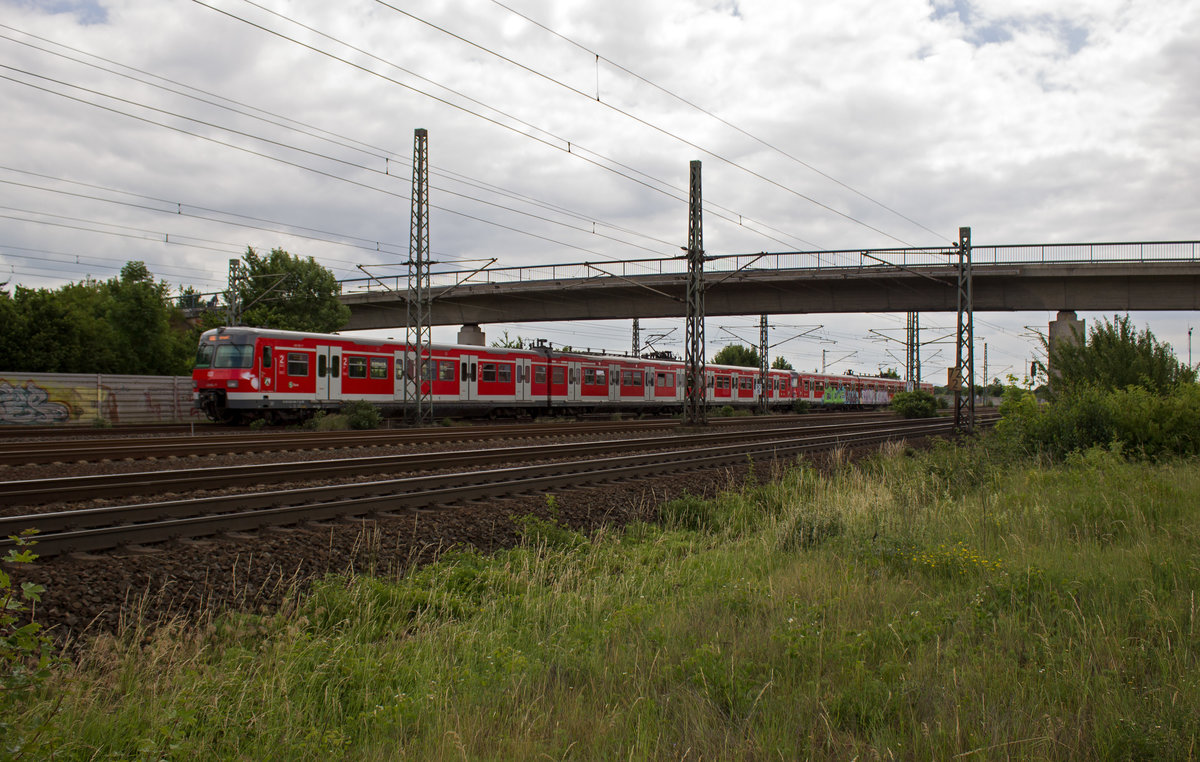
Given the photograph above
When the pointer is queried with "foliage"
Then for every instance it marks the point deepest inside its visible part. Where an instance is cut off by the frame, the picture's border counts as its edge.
(126, 325)
(737, 354)
(890, 373)
(918, 403)
(505, 342)
(290, 293)
(781, 363)
(362, 415)
(926, 605)
(1116, 356)
(1133, 421)
(26, 660)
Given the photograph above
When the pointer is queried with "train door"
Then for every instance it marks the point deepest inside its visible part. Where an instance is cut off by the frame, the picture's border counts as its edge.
(400, 373)
(614, 383)
(468, 377)
(329, 373)
(524, 379)
(574, 379)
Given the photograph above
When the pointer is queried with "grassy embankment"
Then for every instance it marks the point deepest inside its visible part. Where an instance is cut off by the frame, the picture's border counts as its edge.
(909, 607)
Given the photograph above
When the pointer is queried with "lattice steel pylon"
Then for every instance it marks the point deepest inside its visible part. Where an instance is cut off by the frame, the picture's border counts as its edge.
(637, 338)
(695, 406)
(764, 389)
(912, 352)
(964, 404)
(418, 376)
(233, 306)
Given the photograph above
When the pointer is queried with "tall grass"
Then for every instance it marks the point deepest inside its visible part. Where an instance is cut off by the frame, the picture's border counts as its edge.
(919, 606)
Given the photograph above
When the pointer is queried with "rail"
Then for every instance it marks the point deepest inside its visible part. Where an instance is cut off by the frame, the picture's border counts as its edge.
(114, 526)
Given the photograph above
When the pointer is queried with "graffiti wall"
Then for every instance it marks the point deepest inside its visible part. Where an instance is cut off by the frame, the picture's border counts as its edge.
(67, 398)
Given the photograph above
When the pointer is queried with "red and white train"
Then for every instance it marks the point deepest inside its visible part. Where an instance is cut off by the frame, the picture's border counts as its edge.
(243, 374)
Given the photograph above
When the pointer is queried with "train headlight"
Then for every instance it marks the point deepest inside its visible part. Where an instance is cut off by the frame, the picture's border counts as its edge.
(254, 382)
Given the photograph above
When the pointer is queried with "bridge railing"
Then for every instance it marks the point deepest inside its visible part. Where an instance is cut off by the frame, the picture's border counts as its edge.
(857, 259)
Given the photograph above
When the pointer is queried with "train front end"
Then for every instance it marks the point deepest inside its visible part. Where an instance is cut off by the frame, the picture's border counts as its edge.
(224, 385)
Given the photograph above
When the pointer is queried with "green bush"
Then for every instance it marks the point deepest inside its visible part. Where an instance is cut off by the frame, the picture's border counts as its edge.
(1134, 420)
(362, 415)
(801, 406)
(915, 404)
(26, 659)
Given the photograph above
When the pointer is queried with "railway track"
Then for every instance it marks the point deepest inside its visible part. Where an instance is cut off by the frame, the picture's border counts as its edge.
(114, 526)
(16, 453)
(69, 488)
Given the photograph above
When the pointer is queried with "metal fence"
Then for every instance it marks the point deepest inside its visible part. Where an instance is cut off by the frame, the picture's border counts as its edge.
(89, 399)
(1065, 253)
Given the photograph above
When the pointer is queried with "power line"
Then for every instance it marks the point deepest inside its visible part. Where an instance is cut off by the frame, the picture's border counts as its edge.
(723, 121)
(639, 120)
(295, 164)
(312, 131)
(566, 146)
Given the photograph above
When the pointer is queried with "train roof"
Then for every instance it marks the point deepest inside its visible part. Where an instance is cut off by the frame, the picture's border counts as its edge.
(275, 333)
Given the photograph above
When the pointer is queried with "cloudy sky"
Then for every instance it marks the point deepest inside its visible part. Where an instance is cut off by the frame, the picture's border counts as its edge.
(178, 132)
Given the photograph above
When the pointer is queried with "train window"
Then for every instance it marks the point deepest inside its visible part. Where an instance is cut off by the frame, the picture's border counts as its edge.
(539, 374)
(321, 363)
(266, 357)
(379, 367)
(335, 366)
(233, 356)
(601, 377)
(746, 383)
(589, 376)
(445, 370)
(297, 363)
(504, 373)
(356, 367)
(462, 372)
(626, 378)
(558, 375)
(428, 370)
(487, 371)
(638, 377)
(204, 356)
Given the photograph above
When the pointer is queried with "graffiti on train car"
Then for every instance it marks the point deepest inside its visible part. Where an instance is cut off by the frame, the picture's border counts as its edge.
(31, 404)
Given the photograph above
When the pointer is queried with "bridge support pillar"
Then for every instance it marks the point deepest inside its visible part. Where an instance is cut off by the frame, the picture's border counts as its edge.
(1066, 329)
(472, 335)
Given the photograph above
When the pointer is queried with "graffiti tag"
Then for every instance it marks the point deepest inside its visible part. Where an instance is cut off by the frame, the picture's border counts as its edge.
(29, 404)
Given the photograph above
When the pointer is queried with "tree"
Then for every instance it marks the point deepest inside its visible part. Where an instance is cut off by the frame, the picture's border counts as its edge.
(781, 364)
(889, 373)
(152, 338)
(1116, 356)
(124, 325)
(290, 293)
(505, 342)
(736, 354)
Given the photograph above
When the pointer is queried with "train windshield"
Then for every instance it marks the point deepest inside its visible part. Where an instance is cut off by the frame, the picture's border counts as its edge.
(233, 356)
(225, 355)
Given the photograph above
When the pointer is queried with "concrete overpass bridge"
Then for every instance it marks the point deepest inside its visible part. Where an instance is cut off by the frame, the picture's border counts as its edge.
(1092, 276)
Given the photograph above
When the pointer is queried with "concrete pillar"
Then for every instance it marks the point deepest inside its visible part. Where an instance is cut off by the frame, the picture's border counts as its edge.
(1066, 329)
(471, 335)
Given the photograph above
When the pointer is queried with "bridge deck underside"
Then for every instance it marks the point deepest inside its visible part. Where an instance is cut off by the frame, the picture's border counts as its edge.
(1000, 288)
